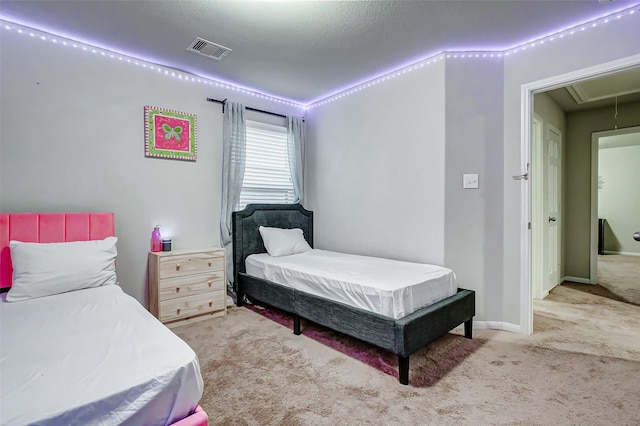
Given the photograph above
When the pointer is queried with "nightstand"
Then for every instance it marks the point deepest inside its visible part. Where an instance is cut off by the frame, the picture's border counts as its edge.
(187, 286)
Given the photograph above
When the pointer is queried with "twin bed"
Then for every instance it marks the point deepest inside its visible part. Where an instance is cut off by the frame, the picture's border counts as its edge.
(398, 306)
(89, 356)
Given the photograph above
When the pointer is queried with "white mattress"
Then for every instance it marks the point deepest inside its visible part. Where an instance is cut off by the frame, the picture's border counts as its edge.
(388, 287)
(92, 356)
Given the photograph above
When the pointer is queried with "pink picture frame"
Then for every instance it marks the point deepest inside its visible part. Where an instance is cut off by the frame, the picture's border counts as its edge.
(169, 134)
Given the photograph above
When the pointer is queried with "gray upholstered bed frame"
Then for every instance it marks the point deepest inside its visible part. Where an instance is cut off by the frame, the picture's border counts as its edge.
(402, 336)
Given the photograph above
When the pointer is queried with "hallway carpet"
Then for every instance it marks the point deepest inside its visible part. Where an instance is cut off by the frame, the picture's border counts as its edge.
(620, 275)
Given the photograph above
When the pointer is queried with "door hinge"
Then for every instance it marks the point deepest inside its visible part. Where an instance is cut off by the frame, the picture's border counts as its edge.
(529, 225)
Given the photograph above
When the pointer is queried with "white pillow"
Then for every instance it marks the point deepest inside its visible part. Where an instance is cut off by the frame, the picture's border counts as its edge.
(44, 269)
(284, 242)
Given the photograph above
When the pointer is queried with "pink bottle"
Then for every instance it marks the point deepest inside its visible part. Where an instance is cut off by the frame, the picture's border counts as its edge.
(156, 239)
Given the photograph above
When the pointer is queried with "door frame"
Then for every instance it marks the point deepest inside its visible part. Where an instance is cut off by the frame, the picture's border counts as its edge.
(527, 91)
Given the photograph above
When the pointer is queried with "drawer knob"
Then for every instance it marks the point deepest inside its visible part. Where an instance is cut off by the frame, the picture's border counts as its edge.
(209, 283)
(210, 304)
(209, 264)
(177, 311)
(177, 289)
(177, 266)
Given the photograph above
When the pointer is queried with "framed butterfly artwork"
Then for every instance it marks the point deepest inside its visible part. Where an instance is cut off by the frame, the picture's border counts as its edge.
(169, 134)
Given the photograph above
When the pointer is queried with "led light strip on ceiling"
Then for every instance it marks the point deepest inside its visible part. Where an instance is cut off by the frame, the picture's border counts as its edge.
(558, 35)
(573, 30)
(181, 75)
(170, 72)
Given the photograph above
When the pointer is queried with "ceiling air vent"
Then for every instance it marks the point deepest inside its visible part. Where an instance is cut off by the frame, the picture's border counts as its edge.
(208, 49)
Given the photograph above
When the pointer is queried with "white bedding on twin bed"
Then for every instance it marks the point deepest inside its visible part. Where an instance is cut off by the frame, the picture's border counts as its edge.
(92, 356)
(388, 287)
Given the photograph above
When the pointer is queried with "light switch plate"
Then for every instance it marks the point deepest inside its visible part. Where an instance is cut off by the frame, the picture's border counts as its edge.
(470, 181)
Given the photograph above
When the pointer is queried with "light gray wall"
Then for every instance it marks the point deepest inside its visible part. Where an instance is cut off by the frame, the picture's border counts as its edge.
(552, 115)
(473, 217)
(580, 126)
(375, 169)
(588, 48)
(71, 139)
(382, 181)
(619, 197)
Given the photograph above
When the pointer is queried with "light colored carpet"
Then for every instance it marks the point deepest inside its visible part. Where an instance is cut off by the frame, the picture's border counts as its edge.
(620, 275)
(581, 366)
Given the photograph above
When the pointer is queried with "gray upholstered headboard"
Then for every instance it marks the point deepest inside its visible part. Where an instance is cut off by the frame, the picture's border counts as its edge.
(246, 235)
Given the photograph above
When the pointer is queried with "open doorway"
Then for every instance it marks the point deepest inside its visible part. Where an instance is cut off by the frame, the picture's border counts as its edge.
(577, 266)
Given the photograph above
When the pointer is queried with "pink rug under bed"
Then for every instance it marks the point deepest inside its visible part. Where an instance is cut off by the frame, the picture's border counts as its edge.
(427, 366)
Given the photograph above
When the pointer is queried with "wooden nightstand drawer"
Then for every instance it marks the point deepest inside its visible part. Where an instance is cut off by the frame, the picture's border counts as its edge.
(184, 307)
(171, 288)
(187, 286)
(195, 263)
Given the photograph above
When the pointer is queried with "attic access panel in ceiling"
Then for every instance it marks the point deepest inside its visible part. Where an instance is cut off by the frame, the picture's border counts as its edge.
(619, 84)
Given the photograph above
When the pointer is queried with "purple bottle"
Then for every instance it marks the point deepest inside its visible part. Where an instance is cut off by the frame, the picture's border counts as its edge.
(156, 239)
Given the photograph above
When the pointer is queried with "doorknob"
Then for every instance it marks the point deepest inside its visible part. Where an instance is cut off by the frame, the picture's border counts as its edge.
(636, 236)
(521, 177)
(524, 176)
(552, 219)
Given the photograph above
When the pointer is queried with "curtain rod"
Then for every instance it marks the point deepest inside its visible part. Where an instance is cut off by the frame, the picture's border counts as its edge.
(249, 108)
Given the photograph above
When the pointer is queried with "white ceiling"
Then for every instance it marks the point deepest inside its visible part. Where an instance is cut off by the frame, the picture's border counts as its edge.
(302, 50)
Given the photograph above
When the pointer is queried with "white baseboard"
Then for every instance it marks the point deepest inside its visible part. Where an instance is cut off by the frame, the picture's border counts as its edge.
(623, 253)
(497, 325)
(494, 325)
(577, 280)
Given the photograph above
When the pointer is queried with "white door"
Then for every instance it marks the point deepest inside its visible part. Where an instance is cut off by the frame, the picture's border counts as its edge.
(552, 206)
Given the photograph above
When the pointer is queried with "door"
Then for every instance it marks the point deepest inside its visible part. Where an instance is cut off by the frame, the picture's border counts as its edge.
(552, 242)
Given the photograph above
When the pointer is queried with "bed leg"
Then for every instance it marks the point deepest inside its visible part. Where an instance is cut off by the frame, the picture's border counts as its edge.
(468, 329)
(239, 298)
(296, 325)
(403, 369)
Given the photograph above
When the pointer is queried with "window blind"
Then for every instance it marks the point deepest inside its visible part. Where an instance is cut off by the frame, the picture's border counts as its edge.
(267, 176)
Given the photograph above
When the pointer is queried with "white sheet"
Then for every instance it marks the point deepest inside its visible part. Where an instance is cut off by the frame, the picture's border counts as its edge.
(388, 287)
(92, 356)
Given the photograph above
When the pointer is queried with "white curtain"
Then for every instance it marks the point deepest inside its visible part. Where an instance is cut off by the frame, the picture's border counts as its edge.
(295, 147)
(234, 139)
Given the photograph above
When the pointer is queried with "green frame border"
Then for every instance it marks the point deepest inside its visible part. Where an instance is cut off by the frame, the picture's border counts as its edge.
(149, 134)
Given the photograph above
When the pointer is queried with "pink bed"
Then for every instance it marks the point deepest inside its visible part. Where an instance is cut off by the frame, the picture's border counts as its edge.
(62, 227)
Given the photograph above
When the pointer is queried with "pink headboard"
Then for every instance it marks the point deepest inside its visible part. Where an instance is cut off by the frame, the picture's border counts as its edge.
(49, 228)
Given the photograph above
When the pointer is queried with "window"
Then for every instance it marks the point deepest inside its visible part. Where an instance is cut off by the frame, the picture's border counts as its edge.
(267, 176)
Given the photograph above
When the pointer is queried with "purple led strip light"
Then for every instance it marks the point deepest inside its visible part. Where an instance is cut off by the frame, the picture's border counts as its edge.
(352, 88)
(171, 72)
(475, 54)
